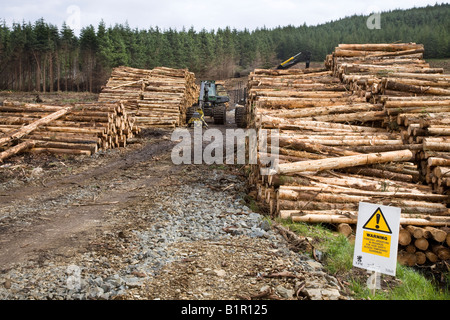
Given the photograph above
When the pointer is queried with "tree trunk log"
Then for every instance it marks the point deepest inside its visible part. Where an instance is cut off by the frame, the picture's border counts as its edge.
(421, 258)
(345, 229)
(16, 149)
(404, 237)
(343, 162)
(437, 234)
(442, 252)
(431, 256)
(421, 244)
(61, 151)
(406, 258)
(342, 216)
(416, 232)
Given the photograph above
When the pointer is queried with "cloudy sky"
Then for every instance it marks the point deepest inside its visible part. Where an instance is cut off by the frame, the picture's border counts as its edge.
(208, 14)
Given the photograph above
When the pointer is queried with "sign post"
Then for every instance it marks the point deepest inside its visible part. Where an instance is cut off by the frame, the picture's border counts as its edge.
(376, 239)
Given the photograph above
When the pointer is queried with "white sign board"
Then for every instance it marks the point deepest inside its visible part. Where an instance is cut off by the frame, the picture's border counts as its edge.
(376, 240)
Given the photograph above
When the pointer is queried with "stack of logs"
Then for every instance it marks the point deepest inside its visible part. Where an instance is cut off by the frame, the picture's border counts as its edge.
(424, 120)
(333, 132)
(363, 66)
(418, 245)
(156, 98)
(78, 129)
(335, 149)
(132, 99)
(126, 84)
(415, 98)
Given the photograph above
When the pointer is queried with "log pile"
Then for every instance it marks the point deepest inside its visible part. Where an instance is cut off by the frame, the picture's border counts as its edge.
(78, 129)
(312, 95)
(415, 98)
(334, 151)
(424, 120)
(372, 127)
(125, 84)
(389, 69)
(167, 95)
(156, 98)
(418, 245)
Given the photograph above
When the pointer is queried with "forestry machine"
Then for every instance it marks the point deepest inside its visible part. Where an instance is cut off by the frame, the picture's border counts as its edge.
(240, 111)
(210, 103)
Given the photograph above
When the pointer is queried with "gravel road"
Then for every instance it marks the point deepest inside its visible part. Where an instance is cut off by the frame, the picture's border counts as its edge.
(129, 224)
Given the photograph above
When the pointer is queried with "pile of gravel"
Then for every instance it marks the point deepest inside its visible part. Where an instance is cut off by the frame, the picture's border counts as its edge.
(176, 214)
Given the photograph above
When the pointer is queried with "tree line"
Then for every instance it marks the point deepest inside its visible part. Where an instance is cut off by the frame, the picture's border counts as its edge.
(40, 56)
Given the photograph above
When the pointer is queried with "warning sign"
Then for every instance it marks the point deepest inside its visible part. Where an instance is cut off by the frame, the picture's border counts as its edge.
(376, 244)
(377, 222)
(376, 238)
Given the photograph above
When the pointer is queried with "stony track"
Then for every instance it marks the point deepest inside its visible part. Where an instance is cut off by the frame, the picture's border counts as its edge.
(129, 224)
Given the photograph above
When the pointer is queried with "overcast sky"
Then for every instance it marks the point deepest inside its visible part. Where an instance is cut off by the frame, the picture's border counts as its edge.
(208, 14)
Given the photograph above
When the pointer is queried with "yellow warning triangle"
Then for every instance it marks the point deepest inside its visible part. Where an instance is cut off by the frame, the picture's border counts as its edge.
(377, 222)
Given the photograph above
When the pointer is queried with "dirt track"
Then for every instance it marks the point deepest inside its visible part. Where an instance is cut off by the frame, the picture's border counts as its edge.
(139, 227)
(74, 214)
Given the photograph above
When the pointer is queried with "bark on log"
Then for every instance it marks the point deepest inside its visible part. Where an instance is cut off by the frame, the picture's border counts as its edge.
(61, 151)
(64, 137)
(343, 162)
(435, 161)
(438, 131)
(339, 190)
(416, 232)
(321, 202)
(406, 102)
(411, 80)
(399, 86)
(441, 172)
(381, 46)
(92, 147)
(435, 146)
(313, 147)
(343, 216)
(437, 234)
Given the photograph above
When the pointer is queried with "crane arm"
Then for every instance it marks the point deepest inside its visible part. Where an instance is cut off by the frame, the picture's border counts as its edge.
(301, 56)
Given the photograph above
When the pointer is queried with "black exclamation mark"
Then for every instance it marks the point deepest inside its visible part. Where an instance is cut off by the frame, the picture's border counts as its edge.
(378, 220)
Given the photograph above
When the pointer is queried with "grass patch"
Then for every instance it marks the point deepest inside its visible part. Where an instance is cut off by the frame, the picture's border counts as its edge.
(415, 286)
(338, 250)
(409, 284)
(218, 167)
(252, 204)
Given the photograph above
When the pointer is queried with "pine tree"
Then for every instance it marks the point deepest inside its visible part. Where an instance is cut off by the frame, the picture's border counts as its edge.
(38, 56)
(88, 49)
